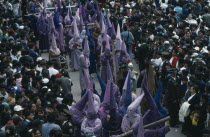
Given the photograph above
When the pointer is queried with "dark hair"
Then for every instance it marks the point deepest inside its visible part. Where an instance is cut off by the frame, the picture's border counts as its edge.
(17, 120)
(51, 117)
(55, 133)
(196, 88)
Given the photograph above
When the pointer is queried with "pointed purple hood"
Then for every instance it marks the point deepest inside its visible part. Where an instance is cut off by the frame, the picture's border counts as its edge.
(86, 50)
(82, 102)
(154, 114)
(76, 32)
(113, 35)
(109, 99)
(91, 111)
(107, 41)
(127, 95)
(53, 48)
(109, 72)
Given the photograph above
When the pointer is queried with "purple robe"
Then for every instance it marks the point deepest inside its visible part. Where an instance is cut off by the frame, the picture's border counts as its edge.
(104, 60)
(60, 40)
(84, 64)
(75, 53)
(95, 128)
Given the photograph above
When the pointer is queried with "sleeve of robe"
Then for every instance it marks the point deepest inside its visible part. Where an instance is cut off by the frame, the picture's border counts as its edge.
(86, 129)
(160, 132)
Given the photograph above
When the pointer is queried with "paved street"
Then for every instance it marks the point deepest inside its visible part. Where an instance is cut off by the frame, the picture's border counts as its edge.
(175, 132)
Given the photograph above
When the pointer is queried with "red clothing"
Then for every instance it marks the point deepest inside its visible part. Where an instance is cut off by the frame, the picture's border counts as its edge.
(174, 61)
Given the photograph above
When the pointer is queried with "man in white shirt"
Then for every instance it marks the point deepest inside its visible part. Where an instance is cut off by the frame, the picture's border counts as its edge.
(157, 62)
(52, 70)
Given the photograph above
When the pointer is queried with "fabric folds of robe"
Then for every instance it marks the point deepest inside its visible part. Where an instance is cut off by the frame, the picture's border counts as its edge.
(75, 53)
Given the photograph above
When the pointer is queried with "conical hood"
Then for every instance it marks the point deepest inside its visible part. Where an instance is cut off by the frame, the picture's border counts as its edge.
(140, 128)
(107, 42)
(87, 78)
(86, 50)
(67, 19)
(127, 99)
(109, 24)
(103, 87)
(81, 24)
(109, 99)
(118, 32)
(123, 48)
(53, 47)
(82, 102)
(93, 18)
(76, 33)
(77, 15)
(154, 114)
(106, 101)
(103, 27)
(109, 72)
(113, 35)
(91, 111)
(113, 104)
(134, 105)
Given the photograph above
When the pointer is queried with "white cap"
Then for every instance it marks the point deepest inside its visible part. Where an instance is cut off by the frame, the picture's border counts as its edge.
(21, 27)
(38, 59)
(197, 48)
(194, 54)
(45, 80)
(130, 65)
(166, 42)
(18, 108)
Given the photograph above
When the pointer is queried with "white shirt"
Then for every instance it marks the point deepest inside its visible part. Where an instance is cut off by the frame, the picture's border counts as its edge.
(53, 71)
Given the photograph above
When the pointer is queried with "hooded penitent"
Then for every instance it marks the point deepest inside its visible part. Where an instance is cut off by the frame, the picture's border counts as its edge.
(86, 50)
(53, 47)
(132, 118)
(113, 33)
(92, 67)
(127, 95)
(109, 108)
(84, 64)
(118, 43)
(75, 46)
(69, 18)
(92, 123)
(43, 29)
(78, 110)
(153, 114)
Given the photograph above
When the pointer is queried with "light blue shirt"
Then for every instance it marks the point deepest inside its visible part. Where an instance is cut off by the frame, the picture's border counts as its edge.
(127, 36)
(47, 127)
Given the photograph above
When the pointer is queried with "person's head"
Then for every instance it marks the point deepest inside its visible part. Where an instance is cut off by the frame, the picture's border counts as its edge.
(51, 117)
(36, 133)
(29, 115)
(194, 89)
(37, 101)
(125, 28)
(32, 107)
(55, 133)
(17, 121)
